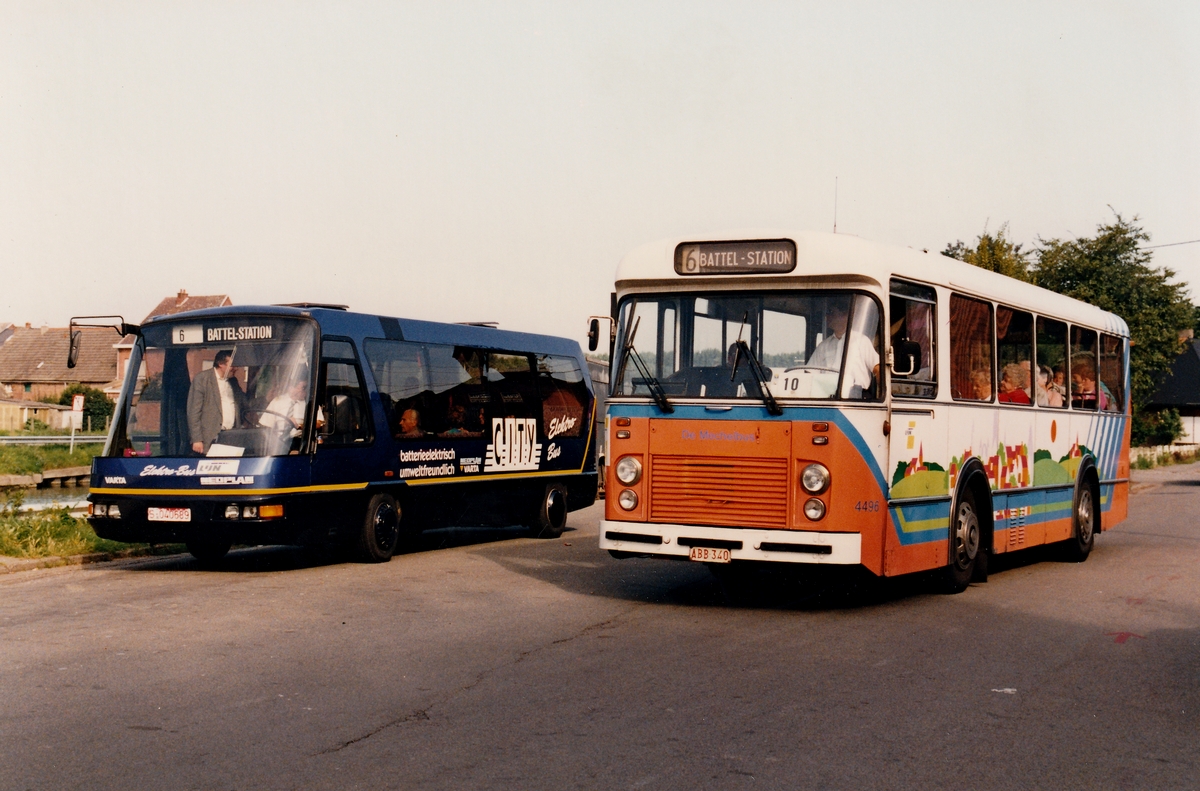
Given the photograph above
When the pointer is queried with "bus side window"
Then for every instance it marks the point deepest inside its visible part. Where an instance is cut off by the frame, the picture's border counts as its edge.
(514, 393)
(1085, 392)
(564, 396)
(914, 320)
(402, 376)
(970, 349)
(1112, 373)
(1051, 382)
(342, 399)
(1014, 346)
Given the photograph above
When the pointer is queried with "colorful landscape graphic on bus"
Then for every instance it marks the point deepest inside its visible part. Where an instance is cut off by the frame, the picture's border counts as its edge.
(1007, 468)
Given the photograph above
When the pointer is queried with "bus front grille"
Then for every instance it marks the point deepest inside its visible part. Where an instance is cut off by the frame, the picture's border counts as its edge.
(717, 490)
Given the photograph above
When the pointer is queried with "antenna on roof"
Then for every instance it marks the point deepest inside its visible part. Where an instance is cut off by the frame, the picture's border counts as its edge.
(835, 204)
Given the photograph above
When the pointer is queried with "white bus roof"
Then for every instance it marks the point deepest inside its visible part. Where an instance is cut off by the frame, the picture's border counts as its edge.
(827, 256)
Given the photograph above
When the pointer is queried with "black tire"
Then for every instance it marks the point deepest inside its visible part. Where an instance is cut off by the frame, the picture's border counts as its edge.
(550, 519)
(1083, 518)
(208, 550)
(380, 530)
(965, 545)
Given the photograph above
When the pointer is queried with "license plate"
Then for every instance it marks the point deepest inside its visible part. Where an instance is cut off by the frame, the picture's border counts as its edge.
(169, 514)
(709, 555)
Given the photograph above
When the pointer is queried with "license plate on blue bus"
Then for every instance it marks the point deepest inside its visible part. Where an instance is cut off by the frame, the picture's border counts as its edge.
(709, 555)
(169, 514)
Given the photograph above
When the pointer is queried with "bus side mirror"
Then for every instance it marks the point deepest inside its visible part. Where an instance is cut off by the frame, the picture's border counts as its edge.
(906, 358)
(73, 351)
(593, 335)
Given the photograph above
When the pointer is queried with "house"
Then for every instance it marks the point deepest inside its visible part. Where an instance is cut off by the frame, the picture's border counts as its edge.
(1180, 388)
(14, 414)
(33, 362)
(169, 306)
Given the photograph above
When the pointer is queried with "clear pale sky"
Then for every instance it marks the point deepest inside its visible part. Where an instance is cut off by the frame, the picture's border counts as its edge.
(493, 161)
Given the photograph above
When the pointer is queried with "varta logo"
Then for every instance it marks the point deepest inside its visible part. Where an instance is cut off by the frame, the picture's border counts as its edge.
(114, 479)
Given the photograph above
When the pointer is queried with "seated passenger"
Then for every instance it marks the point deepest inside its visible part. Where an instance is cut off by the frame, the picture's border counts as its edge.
(1083, 386)
(1046, 394)
(1013, 381)
(981, 385)
(456, 421)
(410, 425)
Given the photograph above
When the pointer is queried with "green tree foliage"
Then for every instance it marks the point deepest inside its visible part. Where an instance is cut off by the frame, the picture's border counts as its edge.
(1161, 427)
(95, 404)
(993, 253)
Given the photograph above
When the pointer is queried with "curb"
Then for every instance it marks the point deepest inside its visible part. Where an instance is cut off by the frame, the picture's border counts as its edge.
(12, 565)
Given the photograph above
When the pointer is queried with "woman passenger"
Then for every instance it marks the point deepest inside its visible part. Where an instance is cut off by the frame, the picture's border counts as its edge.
(1013, 381)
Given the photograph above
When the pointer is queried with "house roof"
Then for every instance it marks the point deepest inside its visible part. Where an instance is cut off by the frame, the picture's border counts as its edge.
(1180, 387)
(39, 354)
(181, 303)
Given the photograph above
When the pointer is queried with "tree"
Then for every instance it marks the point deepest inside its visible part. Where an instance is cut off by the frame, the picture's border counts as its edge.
(1113, 272)
(993, 253)
(95, 404)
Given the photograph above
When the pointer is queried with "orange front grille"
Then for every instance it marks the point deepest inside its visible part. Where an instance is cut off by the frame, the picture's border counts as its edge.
(718, 490)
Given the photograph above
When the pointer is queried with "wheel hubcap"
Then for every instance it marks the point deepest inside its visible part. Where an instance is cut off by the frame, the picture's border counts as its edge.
(385, 526)
(966, 536)
(1085, 516)
(556, 508)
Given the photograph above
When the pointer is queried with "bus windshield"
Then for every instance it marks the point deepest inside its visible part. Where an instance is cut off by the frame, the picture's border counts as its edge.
(809, 344)
(221, 386)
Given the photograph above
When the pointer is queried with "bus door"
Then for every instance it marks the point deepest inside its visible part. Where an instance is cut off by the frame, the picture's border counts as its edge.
(919, 499)
(344, 426)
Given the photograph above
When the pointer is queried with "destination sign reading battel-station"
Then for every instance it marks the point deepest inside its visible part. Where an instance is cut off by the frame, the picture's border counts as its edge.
(735, 258)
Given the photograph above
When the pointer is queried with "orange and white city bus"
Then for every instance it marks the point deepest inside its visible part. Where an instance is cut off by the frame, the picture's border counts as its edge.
(817, 398)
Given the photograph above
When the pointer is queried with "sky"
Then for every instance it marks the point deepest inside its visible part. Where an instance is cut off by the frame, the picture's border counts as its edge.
(461, 161)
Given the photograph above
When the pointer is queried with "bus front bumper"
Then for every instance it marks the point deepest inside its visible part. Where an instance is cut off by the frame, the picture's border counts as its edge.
(743, 543)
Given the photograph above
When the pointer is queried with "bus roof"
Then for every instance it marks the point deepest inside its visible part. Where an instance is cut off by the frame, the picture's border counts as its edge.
(827, 256)
(335, 321)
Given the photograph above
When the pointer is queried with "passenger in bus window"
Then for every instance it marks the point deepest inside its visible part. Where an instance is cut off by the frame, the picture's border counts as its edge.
(862, 361)
(1083, 385)
(1046, 394)
(214, 402)
(981, 385)
(1013, 381)
(456, 422)
(410, 424)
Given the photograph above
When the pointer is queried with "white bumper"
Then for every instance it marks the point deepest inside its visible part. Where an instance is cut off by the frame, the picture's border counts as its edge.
(743, 543)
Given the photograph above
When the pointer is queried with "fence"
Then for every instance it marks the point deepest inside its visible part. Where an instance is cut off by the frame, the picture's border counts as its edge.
(1142, 458)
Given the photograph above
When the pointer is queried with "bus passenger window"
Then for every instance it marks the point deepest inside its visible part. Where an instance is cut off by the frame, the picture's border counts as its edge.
(1112, 373)
(1051, 382)
(514, 392)
(564, 395)
(1014, 346)
(343, 407)
(914, 314)
(970, 349)
(1084, 392)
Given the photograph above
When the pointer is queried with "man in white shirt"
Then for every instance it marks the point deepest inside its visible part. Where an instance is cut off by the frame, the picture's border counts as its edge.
(862, 361)
(286, 411)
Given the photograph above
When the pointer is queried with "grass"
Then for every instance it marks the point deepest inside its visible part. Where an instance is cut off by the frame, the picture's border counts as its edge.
(28, 459)
(47, 533)
(1163, 460)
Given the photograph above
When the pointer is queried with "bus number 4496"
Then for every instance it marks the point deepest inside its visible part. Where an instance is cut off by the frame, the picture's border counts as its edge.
(867, 505)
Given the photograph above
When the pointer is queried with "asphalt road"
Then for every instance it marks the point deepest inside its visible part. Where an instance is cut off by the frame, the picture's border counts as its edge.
(495, 661)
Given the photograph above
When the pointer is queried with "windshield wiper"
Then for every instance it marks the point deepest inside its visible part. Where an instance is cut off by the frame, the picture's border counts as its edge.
(755, 368)
(630, 353)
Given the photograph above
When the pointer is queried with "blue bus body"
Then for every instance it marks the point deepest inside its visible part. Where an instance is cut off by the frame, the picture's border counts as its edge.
(532, 440)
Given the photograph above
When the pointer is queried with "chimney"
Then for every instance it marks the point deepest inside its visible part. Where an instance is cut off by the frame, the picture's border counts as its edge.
(28, 326)
(181, 298)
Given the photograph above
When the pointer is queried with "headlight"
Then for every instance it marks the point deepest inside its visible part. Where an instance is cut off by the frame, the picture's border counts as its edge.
(814, 509)
(250, 512)
(815, 478)
(629, 471)
(114, 512)
(99, 509)
(627, 500)
(232, 512)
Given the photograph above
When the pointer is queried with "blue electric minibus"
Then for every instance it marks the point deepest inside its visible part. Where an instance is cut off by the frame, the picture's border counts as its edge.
(309, 424)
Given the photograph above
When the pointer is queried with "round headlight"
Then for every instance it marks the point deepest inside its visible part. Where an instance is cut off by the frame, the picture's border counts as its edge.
(815, 478)
(627, 500)
(814, 509)
(629, 471)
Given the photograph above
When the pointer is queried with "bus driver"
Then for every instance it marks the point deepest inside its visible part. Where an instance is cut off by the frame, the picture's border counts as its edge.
(862, 363)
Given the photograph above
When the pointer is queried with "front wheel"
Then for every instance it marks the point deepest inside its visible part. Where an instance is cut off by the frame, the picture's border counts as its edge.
(551, 517)
(964, 546)
(380, 530)
(208, 550)
(1083, 537)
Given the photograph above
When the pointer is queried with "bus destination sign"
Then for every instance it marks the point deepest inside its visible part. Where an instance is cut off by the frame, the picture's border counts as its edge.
(736, 258)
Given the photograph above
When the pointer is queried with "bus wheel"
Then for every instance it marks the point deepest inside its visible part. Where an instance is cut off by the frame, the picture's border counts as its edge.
(551, 517)
(380, 530)
(964, 545)
(208, 550)
(1077, 548)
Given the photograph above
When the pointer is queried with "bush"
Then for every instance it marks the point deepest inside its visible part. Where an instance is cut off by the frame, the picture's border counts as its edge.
(1161, 427)
(95, 404)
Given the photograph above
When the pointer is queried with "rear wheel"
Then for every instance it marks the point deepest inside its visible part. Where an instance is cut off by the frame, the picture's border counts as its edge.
(551, 517)
(380, 530)
(1083, 538)
(964, 545)
(207, 550)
